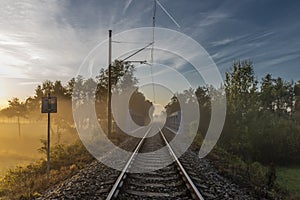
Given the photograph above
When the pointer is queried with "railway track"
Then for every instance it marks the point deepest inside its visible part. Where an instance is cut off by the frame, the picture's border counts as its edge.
(97, 181)
(170, 182)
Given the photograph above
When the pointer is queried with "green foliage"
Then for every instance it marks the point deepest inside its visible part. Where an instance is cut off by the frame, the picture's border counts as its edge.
(260, 125)
(139, 105)
(237, 169)
(204, 100)
(297, 101)
(253, 175)
(241, 88)
(289, 179)
(123, 80)
(276, 95)
(173, 106)
(16, 108)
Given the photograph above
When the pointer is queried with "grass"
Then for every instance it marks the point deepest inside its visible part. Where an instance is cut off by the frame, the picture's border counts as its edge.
(29, 181)
(24, 169)
(287, 184)
(289, 178)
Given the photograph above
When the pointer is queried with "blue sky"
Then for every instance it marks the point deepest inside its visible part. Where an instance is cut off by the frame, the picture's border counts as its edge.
(42, 40)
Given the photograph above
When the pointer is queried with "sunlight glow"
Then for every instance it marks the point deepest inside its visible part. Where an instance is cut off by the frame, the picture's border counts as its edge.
(3, 98)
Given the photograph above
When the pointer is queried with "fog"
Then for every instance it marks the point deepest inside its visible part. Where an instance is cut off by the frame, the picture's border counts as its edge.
(20, 150)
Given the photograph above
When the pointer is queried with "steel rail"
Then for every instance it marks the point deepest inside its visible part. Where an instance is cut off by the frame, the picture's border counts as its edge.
(189, 181)
(112, 194)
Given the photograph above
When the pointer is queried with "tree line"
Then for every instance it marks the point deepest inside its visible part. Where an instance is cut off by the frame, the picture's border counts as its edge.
(262, 118)
(122, 77)
(262, 122)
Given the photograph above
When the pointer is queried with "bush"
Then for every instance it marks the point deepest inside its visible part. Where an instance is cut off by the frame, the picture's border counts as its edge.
(26, 182)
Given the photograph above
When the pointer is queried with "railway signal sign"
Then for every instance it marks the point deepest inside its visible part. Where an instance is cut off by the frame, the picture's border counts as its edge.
(49, 105)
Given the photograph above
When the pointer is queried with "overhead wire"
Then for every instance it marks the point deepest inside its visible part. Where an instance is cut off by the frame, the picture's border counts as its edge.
(136, 52)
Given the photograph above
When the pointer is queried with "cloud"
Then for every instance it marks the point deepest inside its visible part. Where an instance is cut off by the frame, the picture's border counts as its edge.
(223, 42)
(212, 18)
(244, 46)
(278, 60)
(38, 41)
(29, 83)
(128, 2)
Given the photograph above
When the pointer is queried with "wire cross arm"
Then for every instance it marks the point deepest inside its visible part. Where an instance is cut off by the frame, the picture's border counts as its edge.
(136, 61)
(138, 51)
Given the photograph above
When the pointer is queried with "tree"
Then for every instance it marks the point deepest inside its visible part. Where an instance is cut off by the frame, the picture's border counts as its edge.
(63, 119)
(284, 96)
(70, 87)
(118, 70)
(241, 88)
(122, 77)
(16, 108)
(138, 105)
(297, 101)
(241, 92)
(173, 106)
(277, 95)
(204, 102)
(59, 90)
(47, 87)
(267, 93)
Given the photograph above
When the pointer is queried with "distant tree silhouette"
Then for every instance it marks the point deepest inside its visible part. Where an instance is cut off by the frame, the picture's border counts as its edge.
(16, 108)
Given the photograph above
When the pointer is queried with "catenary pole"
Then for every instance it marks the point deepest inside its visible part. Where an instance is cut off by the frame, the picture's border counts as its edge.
(109, 120)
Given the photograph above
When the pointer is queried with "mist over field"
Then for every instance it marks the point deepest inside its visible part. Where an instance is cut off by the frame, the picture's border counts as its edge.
(21, 150)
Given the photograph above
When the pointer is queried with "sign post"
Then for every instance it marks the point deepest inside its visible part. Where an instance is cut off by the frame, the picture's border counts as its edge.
(49, 105)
